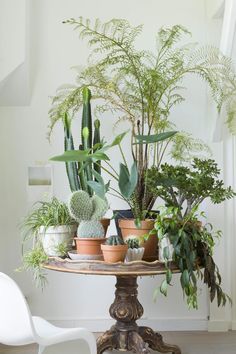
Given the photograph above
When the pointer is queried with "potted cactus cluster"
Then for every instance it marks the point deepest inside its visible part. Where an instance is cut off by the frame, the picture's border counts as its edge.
(114, 249)
(88, 211)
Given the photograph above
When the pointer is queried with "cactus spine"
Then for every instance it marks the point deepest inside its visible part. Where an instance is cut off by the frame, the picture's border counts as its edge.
(87, 211)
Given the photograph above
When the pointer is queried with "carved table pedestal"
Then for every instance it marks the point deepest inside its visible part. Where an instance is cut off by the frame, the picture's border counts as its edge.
(125, 335)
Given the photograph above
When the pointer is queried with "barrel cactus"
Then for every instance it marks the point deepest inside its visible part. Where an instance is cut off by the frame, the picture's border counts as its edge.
(114, 241)
(133, 243)
(88, 211)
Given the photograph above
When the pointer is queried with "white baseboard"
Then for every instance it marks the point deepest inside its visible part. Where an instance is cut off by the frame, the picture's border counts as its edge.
(102, 324)
(233, 325)
(219, 326)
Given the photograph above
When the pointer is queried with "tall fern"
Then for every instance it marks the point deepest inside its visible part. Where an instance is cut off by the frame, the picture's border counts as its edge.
(143, 87)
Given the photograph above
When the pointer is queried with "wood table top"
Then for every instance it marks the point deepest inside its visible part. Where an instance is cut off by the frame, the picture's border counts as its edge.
(93, 267)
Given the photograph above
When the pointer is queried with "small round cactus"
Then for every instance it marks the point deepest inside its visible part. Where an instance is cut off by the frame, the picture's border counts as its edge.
(80, 206)
(90, 229)
(88, 211)
(133, 243)
(114, 241)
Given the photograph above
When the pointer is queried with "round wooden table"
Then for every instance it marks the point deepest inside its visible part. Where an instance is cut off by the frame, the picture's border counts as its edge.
(125, 335)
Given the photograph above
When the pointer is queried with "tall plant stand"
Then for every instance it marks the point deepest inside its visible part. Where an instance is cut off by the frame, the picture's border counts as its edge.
(125, 334)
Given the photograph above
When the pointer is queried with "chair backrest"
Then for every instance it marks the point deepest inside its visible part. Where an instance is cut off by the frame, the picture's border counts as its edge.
(16, 327)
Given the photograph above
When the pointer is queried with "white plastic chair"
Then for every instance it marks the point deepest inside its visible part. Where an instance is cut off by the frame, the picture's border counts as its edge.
(19, 327)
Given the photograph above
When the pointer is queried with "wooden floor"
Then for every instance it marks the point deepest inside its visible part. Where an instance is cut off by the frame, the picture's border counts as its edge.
(189, 342)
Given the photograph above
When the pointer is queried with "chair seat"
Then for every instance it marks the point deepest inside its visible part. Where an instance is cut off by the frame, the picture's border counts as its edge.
(19, 327)
(50, 334)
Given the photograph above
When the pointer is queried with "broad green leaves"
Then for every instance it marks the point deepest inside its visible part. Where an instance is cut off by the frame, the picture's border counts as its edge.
(98, 186)
(81, 156)
(156, 138)
(128, 180)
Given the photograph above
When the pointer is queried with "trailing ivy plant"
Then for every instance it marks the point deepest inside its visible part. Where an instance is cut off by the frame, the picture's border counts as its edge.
(193, 245)
(143, 88)
(183, 189)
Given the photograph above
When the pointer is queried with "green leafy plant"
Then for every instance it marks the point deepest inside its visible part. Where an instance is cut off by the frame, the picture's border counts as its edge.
(32, 262)
(186, 187)
(46, 213)
(79, 172)
(193, 245)
(143, 87)
(183, 189)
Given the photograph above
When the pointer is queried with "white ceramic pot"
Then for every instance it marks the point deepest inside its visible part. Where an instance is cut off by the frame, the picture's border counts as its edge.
(53, 236)
(165, 242)
(134, 254)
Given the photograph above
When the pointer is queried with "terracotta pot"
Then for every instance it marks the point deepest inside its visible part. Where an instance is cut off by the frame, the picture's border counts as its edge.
(105, 223)
(121, 214)
(129, 230)
(113, 254)
(89, 245)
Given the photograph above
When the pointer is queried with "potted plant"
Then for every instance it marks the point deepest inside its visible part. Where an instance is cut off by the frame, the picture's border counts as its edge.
(114, 250)
(82, 173)
(49, 224)
(183, 189)
(88, 211)
(135, 251)
(142, 87)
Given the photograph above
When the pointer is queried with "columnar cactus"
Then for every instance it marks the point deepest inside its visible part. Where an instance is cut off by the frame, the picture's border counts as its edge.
(88, 211)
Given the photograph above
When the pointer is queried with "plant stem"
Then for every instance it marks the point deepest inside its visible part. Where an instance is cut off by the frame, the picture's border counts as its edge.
(123, 156)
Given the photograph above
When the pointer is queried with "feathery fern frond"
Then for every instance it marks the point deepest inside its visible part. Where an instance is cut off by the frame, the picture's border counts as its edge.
(141, 86)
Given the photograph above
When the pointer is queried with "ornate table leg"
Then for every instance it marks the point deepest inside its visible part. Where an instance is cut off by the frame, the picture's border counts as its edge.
(125, 335)
(155, 341)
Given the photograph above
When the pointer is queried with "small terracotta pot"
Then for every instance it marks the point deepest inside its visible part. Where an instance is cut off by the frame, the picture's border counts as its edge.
(105, 223)
(89, 245)
(129, 230)
(113, 254)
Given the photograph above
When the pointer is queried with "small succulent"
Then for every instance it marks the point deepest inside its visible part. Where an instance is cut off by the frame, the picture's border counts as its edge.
(133, 243)
(88, 211)
(114, 241)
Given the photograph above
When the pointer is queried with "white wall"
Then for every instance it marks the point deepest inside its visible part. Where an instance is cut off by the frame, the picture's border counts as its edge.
(56, 48)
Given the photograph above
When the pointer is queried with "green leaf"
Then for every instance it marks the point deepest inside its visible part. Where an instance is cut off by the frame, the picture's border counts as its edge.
(115, 142)
(72, 156)
(163, 288)
(99, 156)
(185, 278)
(98, 188)
(150, 139)
(118, 139)
(166, 252)
(168, 276)
(137, 223)
(128, 180)
(155, 294)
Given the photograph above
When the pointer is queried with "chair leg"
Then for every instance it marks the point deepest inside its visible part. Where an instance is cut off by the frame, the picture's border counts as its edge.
(41, 349)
